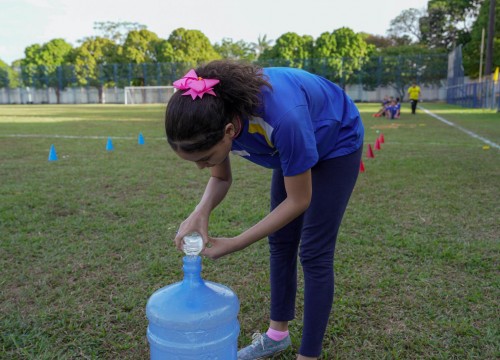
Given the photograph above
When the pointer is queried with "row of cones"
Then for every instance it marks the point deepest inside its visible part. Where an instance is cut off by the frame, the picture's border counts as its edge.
(370, 154)
(109, 147)
(140, 141)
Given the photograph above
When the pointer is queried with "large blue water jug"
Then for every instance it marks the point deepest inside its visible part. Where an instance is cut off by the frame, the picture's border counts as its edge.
(193, 319)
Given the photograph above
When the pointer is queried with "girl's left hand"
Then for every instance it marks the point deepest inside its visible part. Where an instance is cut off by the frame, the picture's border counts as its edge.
(218, 247)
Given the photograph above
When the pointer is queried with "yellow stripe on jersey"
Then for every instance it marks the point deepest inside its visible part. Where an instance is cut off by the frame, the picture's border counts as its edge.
(259, 126)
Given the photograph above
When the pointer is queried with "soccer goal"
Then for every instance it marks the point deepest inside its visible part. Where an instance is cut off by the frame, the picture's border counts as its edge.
(148, 94)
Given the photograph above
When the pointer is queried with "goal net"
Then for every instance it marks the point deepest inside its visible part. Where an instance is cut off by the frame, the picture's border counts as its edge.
(148, 94)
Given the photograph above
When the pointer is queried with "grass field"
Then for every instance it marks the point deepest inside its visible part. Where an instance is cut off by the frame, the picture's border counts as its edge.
(86, 240)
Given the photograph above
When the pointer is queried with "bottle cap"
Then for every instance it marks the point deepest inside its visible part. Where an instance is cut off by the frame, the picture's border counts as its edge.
(193, 244)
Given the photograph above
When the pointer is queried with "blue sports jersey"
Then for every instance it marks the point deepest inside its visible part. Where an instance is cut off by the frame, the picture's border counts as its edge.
(304, 119)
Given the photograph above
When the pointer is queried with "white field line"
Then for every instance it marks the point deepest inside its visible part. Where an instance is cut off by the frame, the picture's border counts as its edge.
(468, 132)
(455, 143)
(48, 136)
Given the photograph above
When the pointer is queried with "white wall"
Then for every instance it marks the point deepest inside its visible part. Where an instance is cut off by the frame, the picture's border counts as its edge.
(90, 95)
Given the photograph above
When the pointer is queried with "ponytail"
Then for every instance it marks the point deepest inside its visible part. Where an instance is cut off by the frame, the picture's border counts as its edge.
(198, 125)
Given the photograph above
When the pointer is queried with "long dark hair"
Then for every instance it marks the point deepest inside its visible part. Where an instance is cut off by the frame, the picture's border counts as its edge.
(198, 125)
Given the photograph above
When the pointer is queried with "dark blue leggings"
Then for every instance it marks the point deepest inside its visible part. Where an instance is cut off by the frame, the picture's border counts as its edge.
(316, 231)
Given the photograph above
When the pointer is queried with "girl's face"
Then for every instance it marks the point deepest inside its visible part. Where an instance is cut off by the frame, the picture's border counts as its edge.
(213, 156)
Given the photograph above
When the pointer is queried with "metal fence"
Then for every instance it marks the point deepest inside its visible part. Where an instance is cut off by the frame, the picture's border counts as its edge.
(484, 94)
(462, 91)
(380, 75)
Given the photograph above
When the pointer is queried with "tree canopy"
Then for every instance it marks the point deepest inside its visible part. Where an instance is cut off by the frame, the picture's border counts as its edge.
(128, 50)
(407, 24)
(5, 74)
(239, 50)
(290, 49)
(116, 31)
(191, 46)
(446, 24)
(92, 53)
(471, 49)
(42, 61)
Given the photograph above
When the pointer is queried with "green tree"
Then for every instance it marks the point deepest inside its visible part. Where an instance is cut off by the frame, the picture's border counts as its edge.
(164, 51)
(90, 59)
(143, 51)
(325, 46)
(351, 45)
(262, 44)
(7, 76)
(141, 46)
(378, 42)
(239, 50)
(407, 24)
(447, 22)
(290, 49)
(191, 47)
(339, 54)
(325, 58)
(15, 79)
(39, 66)
(116, 31)
(471, 51)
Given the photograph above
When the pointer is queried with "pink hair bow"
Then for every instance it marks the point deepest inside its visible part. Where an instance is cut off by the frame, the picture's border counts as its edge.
(195, 86)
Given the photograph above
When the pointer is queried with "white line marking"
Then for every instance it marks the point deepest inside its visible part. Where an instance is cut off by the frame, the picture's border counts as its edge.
(75, 137)
(468, 132)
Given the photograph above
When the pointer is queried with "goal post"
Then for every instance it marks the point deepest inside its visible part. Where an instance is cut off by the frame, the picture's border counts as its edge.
(147, 94)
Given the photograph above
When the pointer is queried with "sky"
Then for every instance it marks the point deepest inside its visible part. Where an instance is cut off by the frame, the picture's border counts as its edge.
(27, 22)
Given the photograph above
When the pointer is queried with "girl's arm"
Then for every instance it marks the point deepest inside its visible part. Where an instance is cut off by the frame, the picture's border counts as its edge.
(299, 192)
(217, 187)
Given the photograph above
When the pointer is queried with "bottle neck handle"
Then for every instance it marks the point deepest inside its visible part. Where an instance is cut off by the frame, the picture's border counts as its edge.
(192, 270)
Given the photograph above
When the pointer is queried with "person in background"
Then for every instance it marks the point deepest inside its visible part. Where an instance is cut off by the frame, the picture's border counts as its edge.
(310, 133)
(398, 109)
(393, 109)
(385, 103)
(414, 95)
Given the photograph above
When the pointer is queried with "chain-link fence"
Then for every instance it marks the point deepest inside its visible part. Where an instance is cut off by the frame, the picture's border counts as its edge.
(365, 79)
(484, 94)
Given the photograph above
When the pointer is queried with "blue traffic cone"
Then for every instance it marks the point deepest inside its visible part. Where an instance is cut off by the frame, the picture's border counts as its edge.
(109, 145)
(140, 139)
(52, 153)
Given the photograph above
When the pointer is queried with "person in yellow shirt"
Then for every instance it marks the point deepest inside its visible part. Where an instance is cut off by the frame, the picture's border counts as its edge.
(414, 95)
